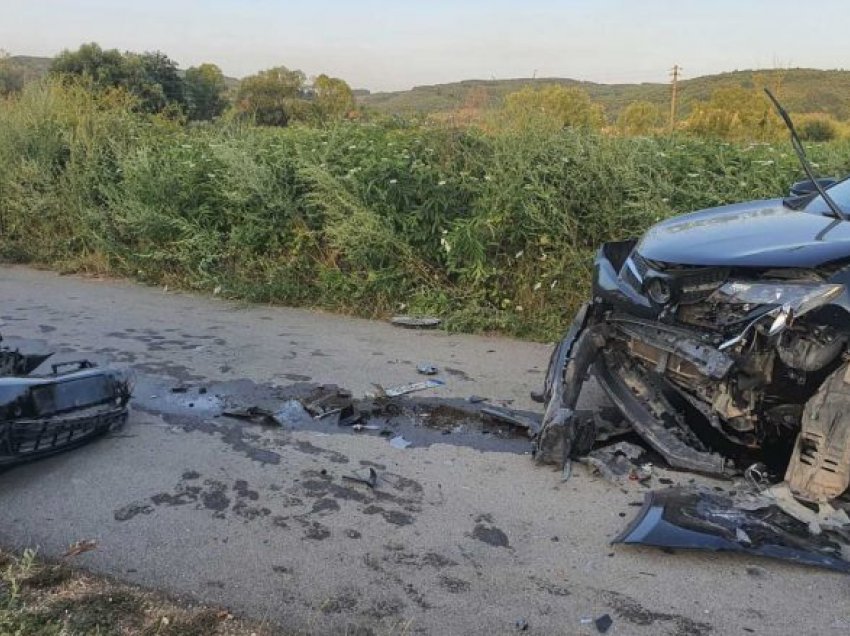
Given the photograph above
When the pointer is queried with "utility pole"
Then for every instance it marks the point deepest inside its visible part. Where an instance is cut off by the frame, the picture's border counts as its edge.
(674, 93)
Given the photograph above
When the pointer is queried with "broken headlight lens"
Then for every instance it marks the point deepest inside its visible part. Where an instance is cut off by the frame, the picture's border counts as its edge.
(800, 298)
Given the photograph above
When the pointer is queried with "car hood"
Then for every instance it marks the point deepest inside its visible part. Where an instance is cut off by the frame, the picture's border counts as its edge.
(753, 234)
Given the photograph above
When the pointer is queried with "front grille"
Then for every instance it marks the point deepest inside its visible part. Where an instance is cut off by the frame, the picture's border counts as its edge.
(697, 285)
(30, 438)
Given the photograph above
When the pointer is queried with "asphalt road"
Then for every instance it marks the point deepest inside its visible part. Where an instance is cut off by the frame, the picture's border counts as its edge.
(464, 534)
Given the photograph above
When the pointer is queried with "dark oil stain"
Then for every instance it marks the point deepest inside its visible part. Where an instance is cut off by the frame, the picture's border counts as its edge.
(296, 377)
(454, 585)
(437, 560)
(311, 449)
(131, 510)
(315, 530)
(190, 474)
(280, 521)
(395, 517)
(630, 610)
(458, 373)
(319, 354)
(242, 490)
(549, 587)
(46, 328)
(215, 500)
(353, 534)
(491, 536)
(325, 505)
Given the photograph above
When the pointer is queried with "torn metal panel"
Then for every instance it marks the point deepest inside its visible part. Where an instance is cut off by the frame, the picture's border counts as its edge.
(701, 520)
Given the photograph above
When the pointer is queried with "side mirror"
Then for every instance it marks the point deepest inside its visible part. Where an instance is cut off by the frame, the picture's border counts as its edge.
(807, 187)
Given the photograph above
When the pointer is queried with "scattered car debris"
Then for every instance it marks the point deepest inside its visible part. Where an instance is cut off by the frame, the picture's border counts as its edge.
(371, 480)
(475, 399)
(41, 414)
(427, 369)
(254, 414)
(404, 389)
(617, 462)
(603, 623)
(521, 625)
(399, 442)
(78, 547)
(511, 417)
(416, 322)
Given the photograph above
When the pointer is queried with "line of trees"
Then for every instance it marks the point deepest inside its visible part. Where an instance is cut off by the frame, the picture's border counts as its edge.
(274, 97)
(732, 113)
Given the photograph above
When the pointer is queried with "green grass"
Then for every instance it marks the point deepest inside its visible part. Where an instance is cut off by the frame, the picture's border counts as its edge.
(493, 231)
(39, 598)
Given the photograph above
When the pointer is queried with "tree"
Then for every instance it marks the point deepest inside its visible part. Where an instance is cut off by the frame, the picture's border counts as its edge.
(205, 88)
(639, 118)
(735, 113)
(11, 75)
(333, 97)
(151, 77)
(271, 96)
(104, 68)
(567, 106)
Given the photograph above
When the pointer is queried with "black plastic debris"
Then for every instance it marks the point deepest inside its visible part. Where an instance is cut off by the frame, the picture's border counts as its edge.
(415, 322)
(692, 518)
(371, 480)
(603, 623)
(254, 414)
(509, 417)
(521, 625)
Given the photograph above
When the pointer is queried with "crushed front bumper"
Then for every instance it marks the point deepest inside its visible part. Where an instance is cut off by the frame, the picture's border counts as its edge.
(42, 415)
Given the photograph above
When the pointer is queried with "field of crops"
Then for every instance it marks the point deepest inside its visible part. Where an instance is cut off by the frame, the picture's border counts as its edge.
(491, 230)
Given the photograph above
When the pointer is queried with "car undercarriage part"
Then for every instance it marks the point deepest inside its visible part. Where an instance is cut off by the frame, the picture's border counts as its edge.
(691, 518)
(44, 414)
(819, 469)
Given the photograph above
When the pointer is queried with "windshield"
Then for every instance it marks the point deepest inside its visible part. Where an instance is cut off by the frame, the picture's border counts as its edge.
(840, 193)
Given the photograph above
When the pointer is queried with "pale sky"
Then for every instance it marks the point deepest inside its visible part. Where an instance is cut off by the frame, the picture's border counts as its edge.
(384, 45)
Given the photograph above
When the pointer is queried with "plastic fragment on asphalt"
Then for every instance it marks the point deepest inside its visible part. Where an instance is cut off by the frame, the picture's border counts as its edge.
(426, 368)
(603, 623)
(399, 442)
(403, 389)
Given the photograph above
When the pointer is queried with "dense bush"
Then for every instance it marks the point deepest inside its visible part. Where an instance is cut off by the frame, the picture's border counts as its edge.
(491, 230)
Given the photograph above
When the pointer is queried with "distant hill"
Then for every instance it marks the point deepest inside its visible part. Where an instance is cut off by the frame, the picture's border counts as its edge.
(36, 67)
(802, 90)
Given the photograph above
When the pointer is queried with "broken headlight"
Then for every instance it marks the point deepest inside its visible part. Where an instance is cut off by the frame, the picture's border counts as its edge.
(799, 298)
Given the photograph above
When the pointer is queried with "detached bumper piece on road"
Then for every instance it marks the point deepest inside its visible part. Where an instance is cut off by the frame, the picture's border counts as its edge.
(45, 414)
(696, 519)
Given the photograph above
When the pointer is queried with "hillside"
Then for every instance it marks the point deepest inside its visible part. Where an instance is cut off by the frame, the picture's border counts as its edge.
(803, 90)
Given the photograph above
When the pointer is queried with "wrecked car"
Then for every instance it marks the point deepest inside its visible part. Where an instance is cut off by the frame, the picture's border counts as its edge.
(41, 414)
(722, 336)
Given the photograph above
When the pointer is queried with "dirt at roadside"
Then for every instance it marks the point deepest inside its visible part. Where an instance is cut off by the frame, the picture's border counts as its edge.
(44, 598)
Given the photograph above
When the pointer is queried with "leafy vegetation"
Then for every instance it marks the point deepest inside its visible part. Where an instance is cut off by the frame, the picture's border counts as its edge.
(493, 228)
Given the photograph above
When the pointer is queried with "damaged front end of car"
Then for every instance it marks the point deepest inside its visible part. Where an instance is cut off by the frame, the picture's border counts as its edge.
(44, 414)
(712, 366)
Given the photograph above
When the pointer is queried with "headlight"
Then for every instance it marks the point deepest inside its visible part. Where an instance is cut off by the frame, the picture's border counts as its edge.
(799, 298)
(659, 291)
